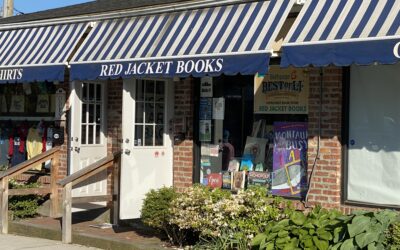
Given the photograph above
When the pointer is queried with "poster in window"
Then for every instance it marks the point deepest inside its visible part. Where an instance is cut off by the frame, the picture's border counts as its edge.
(206, 87)
(205, 130)
(17, 104)
(289, 177)
(282, 91)
(218, 108)
(42, 104)
(205, 112)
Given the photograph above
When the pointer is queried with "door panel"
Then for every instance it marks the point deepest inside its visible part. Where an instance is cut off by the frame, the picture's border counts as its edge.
(147, 157)
(88, 142)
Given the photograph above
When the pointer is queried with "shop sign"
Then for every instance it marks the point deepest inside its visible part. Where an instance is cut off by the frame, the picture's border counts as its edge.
(11, 74)
(282, 91)
(211, 66)
(396, 50)
(289, 176)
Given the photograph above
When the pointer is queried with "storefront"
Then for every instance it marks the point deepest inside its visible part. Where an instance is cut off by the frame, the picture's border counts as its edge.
(150, 53)
(362, 37)
(32, 93)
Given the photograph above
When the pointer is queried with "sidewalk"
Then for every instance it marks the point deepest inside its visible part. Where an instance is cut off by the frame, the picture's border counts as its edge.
(120, 237)
(13, 242)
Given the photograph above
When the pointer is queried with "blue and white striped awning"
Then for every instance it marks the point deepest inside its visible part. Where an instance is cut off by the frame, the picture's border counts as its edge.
(226, 39)
(343, 32)
(37, 53)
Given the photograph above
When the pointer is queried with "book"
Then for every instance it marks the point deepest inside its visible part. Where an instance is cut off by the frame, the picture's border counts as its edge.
(226, 180)
(238, 180)
(261, 179)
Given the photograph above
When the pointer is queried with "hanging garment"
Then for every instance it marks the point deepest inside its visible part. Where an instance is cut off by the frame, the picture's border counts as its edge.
(17, 156)
(4, 146)
(34, 146)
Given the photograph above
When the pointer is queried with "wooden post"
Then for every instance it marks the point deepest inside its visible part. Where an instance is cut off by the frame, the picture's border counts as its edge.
(67, 214)
(55, 205)
(115, 191)
(4, 205)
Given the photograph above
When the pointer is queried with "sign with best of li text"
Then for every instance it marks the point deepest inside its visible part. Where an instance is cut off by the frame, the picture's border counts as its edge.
(282, 91)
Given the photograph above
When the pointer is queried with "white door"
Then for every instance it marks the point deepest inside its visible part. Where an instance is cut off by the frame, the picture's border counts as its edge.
(88, 143)
(147, 144)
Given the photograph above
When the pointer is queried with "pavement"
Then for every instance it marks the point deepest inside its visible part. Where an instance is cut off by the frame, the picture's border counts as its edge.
(13, 242)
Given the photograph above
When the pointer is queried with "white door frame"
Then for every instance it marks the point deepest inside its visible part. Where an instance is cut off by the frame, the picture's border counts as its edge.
(128, 162)
(75, 133)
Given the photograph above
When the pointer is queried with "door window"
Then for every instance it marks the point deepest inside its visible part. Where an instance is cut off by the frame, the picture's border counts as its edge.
(150, 113)
(91, 113)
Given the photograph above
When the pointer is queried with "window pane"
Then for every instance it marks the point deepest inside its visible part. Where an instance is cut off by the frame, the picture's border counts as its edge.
(84, 110)
(149, 95)
(98, 132)
(160, 88)
(149, 113)
(159, 135)
(98, 92)
(84, 91)
(98, 114)
(159, 113)
(138, 135)
(90, 139)
(83, 138)
(139, 91)
(149, 135)
(91, 113)
(139, 112)
(91, 92)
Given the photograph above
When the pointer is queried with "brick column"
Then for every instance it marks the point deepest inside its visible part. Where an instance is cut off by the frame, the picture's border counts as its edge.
(326, 182)
(183, 151)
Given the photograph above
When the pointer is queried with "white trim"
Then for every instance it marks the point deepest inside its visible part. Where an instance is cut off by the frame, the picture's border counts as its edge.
(343, 41)
(149, 10)
(175, 57)
(32, 65)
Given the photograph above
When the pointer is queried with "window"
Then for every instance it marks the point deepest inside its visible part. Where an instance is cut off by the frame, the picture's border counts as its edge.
(373, 169)
(91, 113)
(149, 113)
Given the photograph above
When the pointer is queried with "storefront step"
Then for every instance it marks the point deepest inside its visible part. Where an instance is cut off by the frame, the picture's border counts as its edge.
(122, 238)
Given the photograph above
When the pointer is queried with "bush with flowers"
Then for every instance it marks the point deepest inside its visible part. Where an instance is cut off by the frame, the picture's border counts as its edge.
(211, 213)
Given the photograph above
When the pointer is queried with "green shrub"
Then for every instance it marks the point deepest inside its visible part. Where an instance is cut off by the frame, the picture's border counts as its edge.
(366, 230)
(24, 206)
(155, 209)
(393, 236)
(317, 230)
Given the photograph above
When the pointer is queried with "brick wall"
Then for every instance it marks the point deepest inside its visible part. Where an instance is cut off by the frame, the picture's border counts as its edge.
(326, 181)
(183, 151)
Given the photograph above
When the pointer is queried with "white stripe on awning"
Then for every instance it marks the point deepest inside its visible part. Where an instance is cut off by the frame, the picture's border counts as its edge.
(224, 30)
(38, 53)
(343, 32)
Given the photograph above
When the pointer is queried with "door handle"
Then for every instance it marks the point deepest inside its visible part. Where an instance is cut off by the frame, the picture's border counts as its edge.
(77, 149)
(127, 152)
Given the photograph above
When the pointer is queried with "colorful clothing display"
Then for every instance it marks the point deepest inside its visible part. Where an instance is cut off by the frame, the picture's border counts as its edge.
(34, 146)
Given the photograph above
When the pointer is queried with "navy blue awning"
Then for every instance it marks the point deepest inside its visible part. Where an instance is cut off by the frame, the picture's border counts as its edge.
(219, 40)
(343, 32)
(38, 53)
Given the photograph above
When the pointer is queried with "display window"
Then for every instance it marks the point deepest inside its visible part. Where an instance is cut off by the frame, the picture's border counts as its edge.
(373, 155)
(253, 132)
(27, 122)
